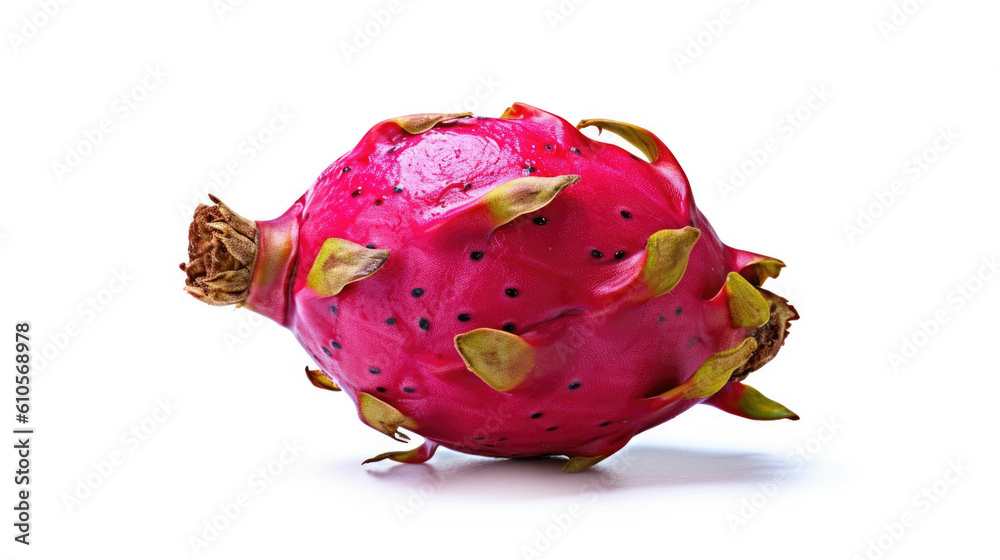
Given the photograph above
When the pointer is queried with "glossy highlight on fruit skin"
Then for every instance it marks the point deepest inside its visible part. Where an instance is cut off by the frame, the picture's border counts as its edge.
(505, 287)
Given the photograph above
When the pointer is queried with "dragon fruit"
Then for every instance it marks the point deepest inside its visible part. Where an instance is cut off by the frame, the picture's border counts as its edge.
(505, 287)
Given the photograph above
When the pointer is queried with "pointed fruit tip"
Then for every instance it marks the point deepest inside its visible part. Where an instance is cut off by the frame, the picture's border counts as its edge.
(581, 464)
(744, 401)
(523, 195)
(747, 307)
(710, 377)
(384, 417)
(500, 359)
(667, 254)
(643, 140)
(321, 380)
(341, 262)
(420, 123)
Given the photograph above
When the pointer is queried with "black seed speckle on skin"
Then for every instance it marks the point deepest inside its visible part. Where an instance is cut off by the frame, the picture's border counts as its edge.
(327, 351)
(346, 169)
(551, 428)
(335, 344)
(548, 146)
(378, 202)
(575, 150)
(530, 169)
(397, 189)
(463, 317)
(480, 438)
(476, 255)
(466, 187)
(409, 390)
(662, 318)
(509, 327)
(424, 323)
(619, 255)
(380, 389)
(574, 385)
(370, 246)
(482, 118)
(374, 370)
(417, 292)
(488, 445)
(635, 157)
(603, 424)
(392, 149)
(677, 311)
(502, 439)
(536, 415)
(333, 309)
(541, 220)
(596, 254)
(390, 321)
(511, 292)
(355, 193)
(626, 214)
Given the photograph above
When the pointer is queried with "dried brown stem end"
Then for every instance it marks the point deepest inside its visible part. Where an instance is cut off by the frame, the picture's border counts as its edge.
(770, 336)
(222, 248)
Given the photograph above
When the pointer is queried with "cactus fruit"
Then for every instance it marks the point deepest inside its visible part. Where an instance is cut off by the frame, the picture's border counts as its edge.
(505, 287)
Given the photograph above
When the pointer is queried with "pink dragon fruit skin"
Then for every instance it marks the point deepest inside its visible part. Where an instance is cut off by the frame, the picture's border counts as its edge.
(505, 287)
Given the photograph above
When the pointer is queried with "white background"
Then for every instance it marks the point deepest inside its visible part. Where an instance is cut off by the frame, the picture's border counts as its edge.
(876, 434)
